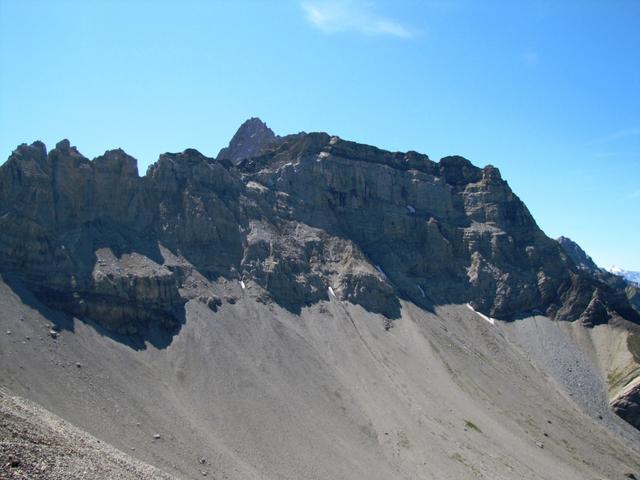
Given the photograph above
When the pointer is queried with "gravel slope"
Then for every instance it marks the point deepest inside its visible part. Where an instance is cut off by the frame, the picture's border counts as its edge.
(35, 444)
(257, 392)
(579, 360)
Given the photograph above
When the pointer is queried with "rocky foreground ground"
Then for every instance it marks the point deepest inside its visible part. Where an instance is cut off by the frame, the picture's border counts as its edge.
(35, 444)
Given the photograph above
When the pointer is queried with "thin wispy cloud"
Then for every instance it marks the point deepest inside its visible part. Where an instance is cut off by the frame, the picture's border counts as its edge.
(619, 135)
(334, 16)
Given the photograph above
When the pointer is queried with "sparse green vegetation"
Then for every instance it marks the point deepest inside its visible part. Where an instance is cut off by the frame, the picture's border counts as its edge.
(458, 458)
(617, 378)
(469, 424)
(633, 344)
(403, 440)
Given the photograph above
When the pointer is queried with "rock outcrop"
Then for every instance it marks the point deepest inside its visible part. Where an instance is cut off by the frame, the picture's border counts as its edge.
(250, 140)
(300, 217)
(627, 403)
(618, 283)
(578, 255)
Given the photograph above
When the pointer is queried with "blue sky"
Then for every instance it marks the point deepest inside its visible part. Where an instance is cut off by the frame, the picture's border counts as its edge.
(547, 91)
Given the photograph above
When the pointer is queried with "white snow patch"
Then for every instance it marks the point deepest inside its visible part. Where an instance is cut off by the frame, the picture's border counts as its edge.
(492, 321)
(331, 291)
(242, 285)
(256, 186)
(421, 290)
(381, 272)
(411, 209)
(322, 155)
(628, 275)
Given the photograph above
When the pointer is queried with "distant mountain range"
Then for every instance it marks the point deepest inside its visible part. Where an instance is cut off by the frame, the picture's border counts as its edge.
(629, 275)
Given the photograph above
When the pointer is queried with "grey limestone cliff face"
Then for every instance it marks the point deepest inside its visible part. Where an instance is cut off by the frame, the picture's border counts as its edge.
(300, 218)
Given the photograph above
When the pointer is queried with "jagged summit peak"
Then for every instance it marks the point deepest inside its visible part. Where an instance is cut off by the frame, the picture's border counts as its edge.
(254, 121)
(63, 144)
(249, 141)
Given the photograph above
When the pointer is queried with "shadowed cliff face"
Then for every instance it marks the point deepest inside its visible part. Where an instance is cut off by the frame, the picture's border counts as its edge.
(305, 217)
(587, 265)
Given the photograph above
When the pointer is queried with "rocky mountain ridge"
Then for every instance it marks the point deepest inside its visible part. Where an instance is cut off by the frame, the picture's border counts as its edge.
(628, 275)
(309, 213)
(615, 278)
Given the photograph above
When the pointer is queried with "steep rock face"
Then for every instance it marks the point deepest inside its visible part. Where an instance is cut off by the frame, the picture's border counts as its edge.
(624, 381)
(627, 404)
(440, 232)
(578, 255)
(250, 140)
(301, 218)
(618, 283)
(58, 211)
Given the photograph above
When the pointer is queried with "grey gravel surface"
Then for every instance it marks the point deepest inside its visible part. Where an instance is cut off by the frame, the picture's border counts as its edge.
(554, 350)
(261, 393)
(35, 444)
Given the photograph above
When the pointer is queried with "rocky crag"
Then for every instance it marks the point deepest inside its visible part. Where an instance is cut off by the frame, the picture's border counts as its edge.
(585, 263)
(299, 217)
(251, 140)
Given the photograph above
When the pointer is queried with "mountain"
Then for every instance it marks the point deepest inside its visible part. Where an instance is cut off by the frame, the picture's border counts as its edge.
(309, 307)
(626, 274)
(312, 211)
(251, 139)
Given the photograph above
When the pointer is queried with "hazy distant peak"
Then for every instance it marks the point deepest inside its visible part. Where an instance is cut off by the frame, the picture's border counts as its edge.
(628, 275)
(249, 141)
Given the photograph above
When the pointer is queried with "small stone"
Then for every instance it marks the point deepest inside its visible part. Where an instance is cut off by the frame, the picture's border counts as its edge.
(204, 473)
(156, 436)
(539, 444)
(203, 461)
(79, 365)
(53, 333)
(8, 332)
